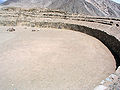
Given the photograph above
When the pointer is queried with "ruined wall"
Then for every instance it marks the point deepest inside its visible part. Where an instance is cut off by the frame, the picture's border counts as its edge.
(111, 42)
(30, 19)
(35, 18)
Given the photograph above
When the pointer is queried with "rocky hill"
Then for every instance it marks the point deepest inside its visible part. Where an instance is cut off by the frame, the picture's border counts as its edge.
(88, 7)
(107, 7)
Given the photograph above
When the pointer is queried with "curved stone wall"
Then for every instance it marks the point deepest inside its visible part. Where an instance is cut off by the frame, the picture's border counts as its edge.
(110, 41)
(50, 19)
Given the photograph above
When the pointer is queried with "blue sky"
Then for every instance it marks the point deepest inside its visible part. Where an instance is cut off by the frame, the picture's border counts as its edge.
(118, 1)
(2, 1)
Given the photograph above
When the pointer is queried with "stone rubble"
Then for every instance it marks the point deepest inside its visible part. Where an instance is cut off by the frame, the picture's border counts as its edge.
(110, 83)
(11, 29)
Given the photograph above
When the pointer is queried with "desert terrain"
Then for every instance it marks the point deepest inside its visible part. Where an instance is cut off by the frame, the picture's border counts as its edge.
(48, 59)
(50, 49)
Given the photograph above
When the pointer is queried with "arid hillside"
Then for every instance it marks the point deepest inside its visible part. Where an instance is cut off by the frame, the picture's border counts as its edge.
(106, 8)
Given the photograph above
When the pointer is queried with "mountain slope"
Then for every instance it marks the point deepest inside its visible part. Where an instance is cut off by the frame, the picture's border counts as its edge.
(76, 6)
(88, 7)
(107, 7)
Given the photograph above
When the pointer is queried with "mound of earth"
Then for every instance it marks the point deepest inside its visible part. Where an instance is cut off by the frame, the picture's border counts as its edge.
(52, 60)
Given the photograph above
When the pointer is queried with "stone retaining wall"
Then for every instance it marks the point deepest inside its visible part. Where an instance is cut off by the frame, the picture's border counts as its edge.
(22, 19)
(110, 41)
(110, 83)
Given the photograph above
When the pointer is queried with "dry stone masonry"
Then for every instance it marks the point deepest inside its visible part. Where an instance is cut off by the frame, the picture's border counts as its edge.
(110, 83)
(107, 30)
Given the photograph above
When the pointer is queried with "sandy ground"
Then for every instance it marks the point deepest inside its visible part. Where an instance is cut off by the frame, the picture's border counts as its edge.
(52, 60)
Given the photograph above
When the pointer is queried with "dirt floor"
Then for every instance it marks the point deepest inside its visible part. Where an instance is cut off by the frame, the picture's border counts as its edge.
(52, 59)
